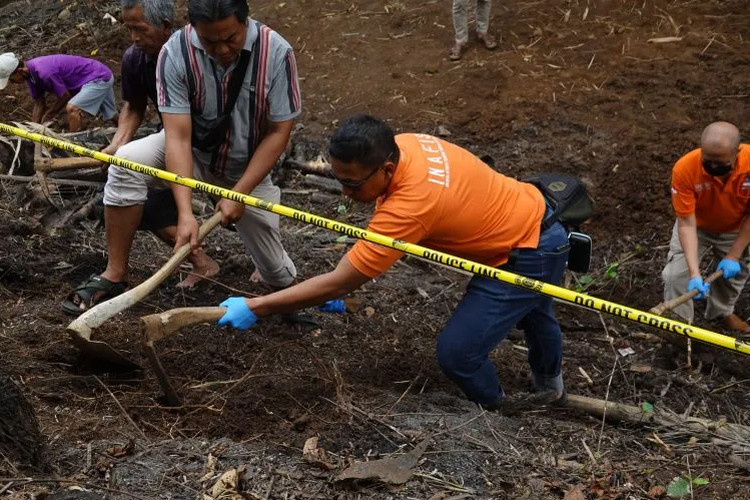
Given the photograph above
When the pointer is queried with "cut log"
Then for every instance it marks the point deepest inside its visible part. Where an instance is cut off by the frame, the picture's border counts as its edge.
(618, 412)
(323, 183)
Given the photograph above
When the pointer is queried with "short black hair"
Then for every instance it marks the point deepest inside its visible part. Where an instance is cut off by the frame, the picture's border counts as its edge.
(209, 11)
(366, 140)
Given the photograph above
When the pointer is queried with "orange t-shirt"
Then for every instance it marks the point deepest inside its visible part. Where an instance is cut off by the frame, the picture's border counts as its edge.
(719, 207)
(445, 198)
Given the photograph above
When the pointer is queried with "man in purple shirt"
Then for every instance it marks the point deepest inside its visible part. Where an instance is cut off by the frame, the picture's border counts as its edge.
(79, 84)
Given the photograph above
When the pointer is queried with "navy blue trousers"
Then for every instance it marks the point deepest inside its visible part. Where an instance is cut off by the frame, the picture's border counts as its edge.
(490, 309)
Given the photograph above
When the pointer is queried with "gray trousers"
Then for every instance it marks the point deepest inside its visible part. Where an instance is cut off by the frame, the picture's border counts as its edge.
(258, 229)
(723, 294)
(461, 18)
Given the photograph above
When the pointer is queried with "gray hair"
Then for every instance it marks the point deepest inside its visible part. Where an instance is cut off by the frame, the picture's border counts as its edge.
(155, 11)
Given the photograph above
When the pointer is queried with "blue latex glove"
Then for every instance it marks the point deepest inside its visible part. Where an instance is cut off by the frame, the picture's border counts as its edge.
(238, 314)
(333, 306)
(730, 267)
(697, 283)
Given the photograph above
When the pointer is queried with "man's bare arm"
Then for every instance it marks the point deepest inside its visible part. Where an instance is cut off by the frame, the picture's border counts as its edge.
(342, 280)
(40, 106)
(265, 157)
(687, 231)
(179, 159)
(56, 107)
(130, 119)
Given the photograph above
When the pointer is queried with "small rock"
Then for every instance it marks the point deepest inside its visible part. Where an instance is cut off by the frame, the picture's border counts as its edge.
(657, 492)
(64, 14)
(443, 131)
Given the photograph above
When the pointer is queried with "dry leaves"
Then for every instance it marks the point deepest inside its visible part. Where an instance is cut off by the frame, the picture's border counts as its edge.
(314, 455)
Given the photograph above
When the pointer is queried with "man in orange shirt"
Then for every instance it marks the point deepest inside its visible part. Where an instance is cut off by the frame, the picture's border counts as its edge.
(434, 193)
(710, 195)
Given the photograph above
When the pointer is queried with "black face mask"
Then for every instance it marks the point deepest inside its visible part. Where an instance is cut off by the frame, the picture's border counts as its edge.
(715, 168)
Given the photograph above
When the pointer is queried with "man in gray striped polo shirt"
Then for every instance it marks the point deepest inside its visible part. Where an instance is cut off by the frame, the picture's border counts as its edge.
(236, 150)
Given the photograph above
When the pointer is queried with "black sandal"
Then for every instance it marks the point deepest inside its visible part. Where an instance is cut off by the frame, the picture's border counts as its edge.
(91, 292)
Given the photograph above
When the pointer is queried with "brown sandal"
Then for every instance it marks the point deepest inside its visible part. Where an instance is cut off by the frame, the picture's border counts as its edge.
(457, 51)
(487, 40)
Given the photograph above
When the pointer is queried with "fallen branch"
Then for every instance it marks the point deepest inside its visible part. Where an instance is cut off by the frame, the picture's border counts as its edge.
(61, 182)
(319, 167)
(618, 412)
(323, 183)
(60, 164)
(665, 39)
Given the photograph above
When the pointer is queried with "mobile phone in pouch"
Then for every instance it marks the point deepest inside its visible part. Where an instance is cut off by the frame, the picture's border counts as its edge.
(579, 258)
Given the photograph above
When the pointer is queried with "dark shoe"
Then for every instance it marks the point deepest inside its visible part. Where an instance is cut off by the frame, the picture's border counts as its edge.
(487, 40)
(91, 292)
(512, 405)
(457, 51)
(734, 322)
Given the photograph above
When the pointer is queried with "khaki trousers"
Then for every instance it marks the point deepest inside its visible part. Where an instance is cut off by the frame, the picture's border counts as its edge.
(461, 18)
(723, 294)
(258, 229)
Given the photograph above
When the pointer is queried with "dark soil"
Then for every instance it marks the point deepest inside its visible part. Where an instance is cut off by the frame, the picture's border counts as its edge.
(573, 87)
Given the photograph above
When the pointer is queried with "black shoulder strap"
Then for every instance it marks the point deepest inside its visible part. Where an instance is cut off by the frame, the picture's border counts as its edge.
(235, 82)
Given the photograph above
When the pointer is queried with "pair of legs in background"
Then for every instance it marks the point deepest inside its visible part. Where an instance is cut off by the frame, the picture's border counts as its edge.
(461, 26)
(488, 312)
(125, 195)
(724, 293)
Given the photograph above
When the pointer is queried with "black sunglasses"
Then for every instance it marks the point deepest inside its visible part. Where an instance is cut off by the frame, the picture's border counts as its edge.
(355, 185)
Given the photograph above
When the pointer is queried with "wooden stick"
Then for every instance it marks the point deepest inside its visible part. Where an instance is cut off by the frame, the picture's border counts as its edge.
(57, 164)
(157, 326)
(309, 167)
(671, 304)
(82, 326)
(61, 182)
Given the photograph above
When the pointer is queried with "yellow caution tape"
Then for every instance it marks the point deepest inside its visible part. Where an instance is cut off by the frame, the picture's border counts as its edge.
(564, 294)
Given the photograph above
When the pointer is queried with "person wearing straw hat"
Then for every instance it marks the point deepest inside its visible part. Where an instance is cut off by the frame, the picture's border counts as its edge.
(79, 85)
(434, 193)
(711, 201)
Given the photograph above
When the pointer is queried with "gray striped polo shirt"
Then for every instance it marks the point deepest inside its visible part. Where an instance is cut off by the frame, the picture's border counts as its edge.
(270, 91)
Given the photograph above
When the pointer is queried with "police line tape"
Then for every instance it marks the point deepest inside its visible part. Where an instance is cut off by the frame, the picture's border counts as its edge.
(540, 287)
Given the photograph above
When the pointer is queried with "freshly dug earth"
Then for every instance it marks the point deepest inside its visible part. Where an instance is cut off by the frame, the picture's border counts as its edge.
(573, 87)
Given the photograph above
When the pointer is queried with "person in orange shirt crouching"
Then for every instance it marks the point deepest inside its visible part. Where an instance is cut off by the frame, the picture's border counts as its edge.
(710, 196)
(436, 194)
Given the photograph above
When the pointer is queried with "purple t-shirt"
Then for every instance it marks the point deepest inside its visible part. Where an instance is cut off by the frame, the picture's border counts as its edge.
(63, 73)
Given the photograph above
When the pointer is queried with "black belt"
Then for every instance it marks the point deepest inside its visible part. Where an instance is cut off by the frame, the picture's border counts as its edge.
(549, 211)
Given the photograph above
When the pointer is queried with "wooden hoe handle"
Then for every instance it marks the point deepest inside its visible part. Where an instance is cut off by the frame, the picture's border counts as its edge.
(671, 304)
(94, 317)
(157, 326)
